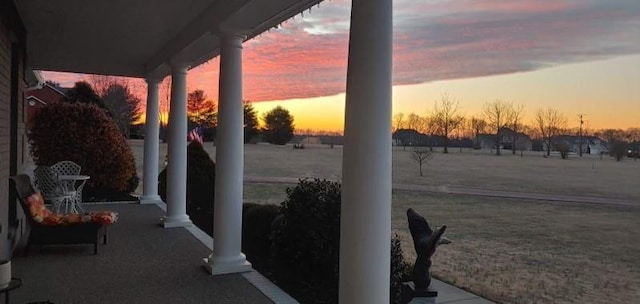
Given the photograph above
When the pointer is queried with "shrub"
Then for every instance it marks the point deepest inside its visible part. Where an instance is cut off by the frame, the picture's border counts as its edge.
(256, 232)
(132, 183)
(86, 135)
(619, 150)
(306, 244)
(309, 235)
(400, 271)
(201, 177)
(564, 150)
(306, 241)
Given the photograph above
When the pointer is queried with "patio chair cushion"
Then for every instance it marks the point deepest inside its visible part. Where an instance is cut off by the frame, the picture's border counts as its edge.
(103, 217)
(59, 219)
(36, 206)
(42, 215)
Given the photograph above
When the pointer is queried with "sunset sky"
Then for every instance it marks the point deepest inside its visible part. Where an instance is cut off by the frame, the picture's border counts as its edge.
(579, 56)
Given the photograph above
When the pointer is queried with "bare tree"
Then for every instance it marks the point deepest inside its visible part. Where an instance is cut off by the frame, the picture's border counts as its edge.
(398, 121)
(414, 122)
(516, 117)
(461, 131)
(532, 131)
(421, 155)
(447, 118)
(550, 123)
(477, 126)
(430, 128)
(398, 124)
(123, 105)
(633, 134)
(612, 136)
(101, 83)
(497, 114)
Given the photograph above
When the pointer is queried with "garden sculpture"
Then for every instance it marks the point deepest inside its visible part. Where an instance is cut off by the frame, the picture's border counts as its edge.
(425, 241)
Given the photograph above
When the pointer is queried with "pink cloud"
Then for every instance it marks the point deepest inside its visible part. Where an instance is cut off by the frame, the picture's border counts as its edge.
(432, 41)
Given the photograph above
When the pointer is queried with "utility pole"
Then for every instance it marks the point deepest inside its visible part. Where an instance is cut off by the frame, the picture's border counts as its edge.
(580, 133)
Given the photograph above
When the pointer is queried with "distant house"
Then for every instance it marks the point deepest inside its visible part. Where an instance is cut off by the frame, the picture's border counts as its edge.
(486, 141)
(411, 137)
(590, 144)
(522, 141)
(537, 144)
(595, 145)
(40, 96)
(406, 137)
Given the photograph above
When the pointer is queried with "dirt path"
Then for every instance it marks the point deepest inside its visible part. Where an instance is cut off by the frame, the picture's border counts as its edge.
(474, 191)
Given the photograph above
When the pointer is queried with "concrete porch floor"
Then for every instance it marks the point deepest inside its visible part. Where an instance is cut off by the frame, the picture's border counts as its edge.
(142, 263)
(145, 263)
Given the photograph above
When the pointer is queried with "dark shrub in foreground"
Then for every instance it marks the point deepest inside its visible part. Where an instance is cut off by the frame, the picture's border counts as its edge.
(306, 244)
(308, 237)
(256, 233)
(86, 135)
(400, 271)
(201, 176)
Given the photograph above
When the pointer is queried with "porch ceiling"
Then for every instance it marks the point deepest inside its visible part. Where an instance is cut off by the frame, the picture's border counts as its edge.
(138, 38)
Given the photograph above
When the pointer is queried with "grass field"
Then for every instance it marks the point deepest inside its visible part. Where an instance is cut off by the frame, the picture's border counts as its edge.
(510, 251)
(586, 176)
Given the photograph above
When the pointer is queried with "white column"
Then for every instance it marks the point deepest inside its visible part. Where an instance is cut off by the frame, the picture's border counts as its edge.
(177, 150)
(227, 227)
(151, 145)
(366, 163)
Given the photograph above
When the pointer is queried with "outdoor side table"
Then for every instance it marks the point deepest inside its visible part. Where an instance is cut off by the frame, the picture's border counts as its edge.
(14, 284)
(69, 184)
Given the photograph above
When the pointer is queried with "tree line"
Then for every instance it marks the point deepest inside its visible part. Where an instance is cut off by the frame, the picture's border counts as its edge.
(500, 118)
(114, 95)
(277, 128)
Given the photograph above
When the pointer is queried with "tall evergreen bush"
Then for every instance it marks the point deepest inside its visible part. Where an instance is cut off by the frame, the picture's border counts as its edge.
(201, 176)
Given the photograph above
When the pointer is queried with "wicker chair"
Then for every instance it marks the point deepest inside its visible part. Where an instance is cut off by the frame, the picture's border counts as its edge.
(44, 232)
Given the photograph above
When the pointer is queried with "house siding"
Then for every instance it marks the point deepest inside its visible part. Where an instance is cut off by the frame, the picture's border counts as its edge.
(5, 104)
(12, 88)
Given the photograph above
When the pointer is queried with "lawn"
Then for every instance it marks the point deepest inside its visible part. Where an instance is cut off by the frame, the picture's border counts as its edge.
(511, 251)
(586, 176)
(531, 251)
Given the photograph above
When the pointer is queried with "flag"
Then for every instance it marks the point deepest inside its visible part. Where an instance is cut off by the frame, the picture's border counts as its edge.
(194, 135)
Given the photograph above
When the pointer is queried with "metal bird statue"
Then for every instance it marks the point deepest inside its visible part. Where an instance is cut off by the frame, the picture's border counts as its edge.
(425, 241)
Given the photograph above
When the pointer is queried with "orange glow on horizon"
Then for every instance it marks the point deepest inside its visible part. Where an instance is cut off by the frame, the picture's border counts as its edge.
(606, 92)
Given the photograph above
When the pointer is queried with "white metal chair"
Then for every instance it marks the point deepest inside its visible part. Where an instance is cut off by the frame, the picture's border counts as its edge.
(52, 191)
(67, 167)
